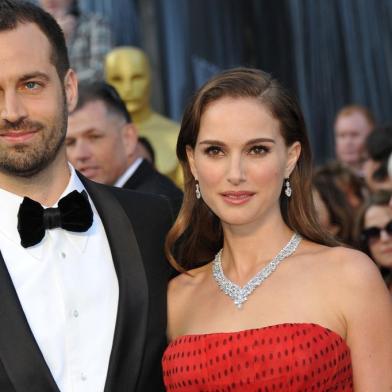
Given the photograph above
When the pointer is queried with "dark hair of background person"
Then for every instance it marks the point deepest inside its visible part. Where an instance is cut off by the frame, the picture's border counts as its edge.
(340, 212)
(379, 198)
(379, 148)
(13, 13)
(149, 148)
(353, 187)
(102, 91)
(197, 233)
(74, 8)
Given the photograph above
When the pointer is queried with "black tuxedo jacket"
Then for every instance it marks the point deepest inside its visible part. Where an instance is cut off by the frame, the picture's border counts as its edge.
(147, 179)
(135, 226)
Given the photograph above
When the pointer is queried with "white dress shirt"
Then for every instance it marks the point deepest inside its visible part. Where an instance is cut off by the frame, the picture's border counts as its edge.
(128, 173)
(68, 289)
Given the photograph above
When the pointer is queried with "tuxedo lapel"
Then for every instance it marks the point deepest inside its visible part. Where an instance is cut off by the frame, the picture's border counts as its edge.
(131, 323)
(19, 352)
(139, 176)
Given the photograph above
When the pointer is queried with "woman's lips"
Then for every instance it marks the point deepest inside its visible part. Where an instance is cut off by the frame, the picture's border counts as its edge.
(237, 197)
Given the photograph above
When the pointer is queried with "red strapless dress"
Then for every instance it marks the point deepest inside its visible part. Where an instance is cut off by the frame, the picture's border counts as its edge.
(297, 357)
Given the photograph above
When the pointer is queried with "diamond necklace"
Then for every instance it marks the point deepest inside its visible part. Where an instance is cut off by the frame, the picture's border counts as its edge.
(240, 294)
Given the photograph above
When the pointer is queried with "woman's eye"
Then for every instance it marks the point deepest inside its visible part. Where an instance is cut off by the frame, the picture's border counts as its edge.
(213, 150)
(258, 150)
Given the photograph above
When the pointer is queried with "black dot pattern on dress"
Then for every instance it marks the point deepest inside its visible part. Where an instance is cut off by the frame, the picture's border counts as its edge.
(297, 357)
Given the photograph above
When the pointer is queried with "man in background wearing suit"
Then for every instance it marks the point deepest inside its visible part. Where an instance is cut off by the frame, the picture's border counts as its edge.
(82, 271)
(102, 144)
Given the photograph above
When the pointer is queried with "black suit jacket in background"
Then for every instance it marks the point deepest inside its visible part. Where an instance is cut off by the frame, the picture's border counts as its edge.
(135, 226)
(147, 179)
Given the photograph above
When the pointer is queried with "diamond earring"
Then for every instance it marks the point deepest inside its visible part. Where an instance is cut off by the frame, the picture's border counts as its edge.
(288, 189)
(198, 194)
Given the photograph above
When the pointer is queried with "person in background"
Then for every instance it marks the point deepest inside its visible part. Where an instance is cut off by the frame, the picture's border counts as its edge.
(379, 149)
(353, 124)
(334, 211)
(102, 144)
(267, 300)
(88, 37)
(83, 274)
(374, 232)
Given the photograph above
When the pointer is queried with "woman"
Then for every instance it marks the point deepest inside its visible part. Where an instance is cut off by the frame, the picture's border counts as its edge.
(313, 310)
(374, 230)
(334, 211)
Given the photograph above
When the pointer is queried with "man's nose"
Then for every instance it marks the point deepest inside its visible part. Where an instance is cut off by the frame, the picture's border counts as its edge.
(80, 153)
(12, 108)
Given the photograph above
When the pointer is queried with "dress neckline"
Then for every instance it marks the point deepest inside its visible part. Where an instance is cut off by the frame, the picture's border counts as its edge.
(257, 329)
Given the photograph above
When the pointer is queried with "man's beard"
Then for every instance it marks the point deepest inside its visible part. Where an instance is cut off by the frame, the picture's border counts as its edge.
(28, 160)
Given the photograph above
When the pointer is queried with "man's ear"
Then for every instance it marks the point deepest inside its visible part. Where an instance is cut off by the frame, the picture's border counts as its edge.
(190, 153)
(293, 154)
(129, 136)
(71, 89)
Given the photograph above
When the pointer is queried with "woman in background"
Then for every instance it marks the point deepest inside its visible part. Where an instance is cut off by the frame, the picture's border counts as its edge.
(279, 308)
(335, 213)
(374, 231)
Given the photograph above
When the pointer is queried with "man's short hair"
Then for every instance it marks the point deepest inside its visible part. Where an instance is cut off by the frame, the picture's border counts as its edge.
(15, 12)
(379, 148)
(101, 91)
(355, 108)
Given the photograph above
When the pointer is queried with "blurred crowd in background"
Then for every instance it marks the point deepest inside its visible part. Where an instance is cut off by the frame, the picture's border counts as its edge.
(116, 137)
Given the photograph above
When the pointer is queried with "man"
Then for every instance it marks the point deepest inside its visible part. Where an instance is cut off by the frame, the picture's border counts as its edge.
(102, 144)
(82, 283)
(352, 126)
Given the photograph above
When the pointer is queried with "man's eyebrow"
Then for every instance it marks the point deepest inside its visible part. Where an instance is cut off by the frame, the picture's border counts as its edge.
(35, 75)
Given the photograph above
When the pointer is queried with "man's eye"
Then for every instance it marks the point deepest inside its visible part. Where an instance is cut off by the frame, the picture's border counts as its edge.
(31, 85)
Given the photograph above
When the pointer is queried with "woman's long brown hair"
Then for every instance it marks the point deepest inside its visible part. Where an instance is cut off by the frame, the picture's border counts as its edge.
(197, 235)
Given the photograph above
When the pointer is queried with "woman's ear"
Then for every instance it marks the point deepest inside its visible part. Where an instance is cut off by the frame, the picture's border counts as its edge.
(71, 89)
(190, 153)
(293, 154)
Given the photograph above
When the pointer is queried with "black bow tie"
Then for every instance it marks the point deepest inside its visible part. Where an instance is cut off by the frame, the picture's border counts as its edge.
(73, 213)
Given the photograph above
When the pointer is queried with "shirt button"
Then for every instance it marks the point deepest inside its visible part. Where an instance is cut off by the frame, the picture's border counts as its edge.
(75, 313)
(83, 377)
(63, 255)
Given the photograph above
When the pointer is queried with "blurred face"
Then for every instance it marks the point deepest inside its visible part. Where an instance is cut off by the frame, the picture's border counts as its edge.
(99, 143)
(380, 246)
(128, 71)
(33, 102)
(240, 160)
(351, 131)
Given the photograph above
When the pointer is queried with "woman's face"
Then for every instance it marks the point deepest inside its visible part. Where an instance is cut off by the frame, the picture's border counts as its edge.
(241, 160)
(380, 246)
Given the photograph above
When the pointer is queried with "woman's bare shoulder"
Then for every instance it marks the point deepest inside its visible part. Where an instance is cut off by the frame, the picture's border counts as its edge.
(189, 280)
(347, 265)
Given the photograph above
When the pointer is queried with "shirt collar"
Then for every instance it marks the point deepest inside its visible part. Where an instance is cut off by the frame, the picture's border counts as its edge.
(9, 218)
(128, 173)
